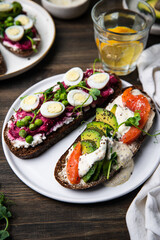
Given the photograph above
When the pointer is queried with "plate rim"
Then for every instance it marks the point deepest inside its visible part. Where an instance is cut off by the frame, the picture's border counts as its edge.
(29, 66)
(46, 193)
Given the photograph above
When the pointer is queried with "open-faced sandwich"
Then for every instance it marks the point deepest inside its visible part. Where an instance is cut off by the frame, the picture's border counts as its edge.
(45, 118)
(108, 143)
(3, 67)
(17, 30)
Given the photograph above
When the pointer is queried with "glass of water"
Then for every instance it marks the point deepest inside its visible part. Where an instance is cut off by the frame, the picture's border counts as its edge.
(121, 35)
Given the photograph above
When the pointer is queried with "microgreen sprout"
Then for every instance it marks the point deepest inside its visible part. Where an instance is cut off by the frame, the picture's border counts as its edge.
(32, 43)
(94, 64)
(134, 121)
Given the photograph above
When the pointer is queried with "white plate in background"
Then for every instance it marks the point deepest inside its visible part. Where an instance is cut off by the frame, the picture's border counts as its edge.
(46, 28)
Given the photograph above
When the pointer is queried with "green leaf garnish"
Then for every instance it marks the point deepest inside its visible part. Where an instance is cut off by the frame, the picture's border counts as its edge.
(23, 97)
(94, 64)
(132, 121)
(94, 92)
(32, 43)
(4, 214)
(62, 88)
(107, 165)
(112, 161)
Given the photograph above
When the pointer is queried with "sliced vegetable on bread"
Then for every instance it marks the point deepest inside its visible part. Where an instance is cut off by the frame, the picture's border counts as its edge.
(46, 117)
(109, 143)
(17, 30)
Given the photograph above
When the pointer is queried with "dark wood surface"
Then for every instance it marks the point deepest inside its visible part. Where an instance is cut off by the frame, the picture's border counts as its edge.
(36, 217)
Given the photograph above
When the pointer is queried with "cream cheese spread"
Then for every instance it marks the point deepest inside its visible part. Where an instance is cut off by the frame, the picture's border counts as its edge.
(37, 139)
(86, 161)
(122, 113)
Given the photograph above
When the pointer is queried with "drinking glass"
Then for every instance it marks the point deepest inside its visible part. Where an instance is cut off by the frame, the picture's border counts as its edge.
(121, 35)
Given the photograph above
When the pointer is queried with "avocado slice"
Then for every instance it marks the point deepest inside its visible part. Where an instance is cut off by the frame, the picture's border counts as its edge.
(106, 116)
(100, 125)
(88, 146)
(152, 3)
(93, 135)
(113, 110)
(90, 173)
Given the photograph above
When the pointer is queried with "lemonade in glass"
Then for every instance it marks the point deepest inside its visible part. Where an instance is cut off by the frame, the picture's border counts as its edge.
(120, 36)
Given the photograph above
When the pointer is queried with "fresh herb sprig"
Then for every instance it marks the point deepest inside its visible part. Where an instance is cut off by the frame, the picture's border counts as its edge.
(94, 92)
(109, 163)
(94, 64)
(48, 94)
(5, 214)
(33, 43)
(134, 121)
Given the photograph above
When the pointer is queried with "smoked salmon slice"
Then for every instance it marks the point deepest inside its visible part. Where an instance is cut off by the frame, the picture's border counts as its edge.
(135, 103)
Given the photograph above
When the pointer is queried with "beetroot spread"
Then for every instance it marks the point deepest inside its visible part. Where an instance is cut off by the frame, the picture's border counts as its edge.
(24, 43)
(49, 123)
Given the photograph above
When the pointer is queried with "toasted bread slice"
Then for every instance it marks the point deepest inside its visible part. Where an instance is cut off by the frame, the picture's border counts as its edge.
(54, 137)
(3, 68)
(60, 169)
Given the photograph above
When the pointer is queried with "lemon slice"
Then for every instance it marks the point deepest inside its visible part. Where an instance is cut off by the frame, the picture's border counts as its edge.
(120, 53)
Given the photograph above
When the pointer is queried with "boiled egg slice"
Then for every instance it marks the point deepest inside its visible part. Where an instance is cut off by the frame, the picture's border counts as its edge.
(15, 33)
(25, 21)
(78, 97)
(30, 103)
(98, 80)
(73, 76)
(5, 7)
(52, 109)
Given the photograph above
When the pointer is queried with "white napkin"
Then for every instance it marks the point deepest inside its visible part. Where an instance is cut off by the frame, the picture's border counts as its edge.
(149, 72)
(143, 215)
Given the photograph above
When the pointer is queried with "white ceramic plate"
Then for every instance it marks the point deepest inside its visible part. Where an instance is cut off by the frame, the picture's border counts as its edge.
(38, 173)
(46, 28)
(155, 29)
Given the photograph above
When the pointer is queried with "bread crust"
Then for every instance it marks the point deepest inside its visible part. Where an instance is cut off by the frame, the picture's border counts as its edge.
(61, 164)
(3, 68)
(54, 137)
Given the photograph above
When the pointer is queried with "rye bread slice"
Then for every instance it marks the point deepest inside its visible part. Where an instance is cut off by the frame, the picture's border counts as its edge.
(54, 137)
(60, 174)
(22, 52)
(3, 68)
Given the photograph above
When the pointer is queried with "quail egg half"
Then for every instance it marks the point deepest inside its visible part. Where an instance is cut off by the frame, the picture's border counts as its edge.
(30, 103)
(78, 97)
(52, 109)
(15, 33)
(73, 76)
(98, 80)
(5, 7)
(26, 22)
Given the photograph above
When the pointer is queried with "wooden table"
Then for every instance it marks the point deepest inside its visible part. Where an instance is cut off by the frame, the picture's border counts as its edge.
(36, 217)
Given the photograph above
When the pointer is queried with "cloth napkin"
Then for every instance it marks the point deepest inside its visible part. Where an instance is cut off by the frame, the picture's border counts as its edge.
(143, 215)
(149, 72)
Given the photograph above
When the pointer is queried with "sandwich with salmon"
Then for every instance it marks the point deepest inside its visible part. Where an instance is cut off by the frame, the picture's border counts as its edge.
(108, 143)
(44, 118)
